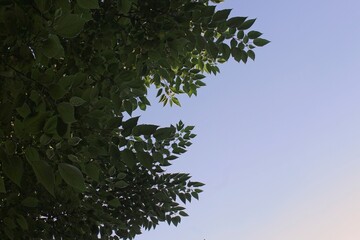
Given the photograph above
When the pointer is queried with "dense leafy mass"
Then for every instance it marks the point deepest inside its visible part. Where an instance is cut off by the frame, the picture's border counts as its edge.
(74, 163)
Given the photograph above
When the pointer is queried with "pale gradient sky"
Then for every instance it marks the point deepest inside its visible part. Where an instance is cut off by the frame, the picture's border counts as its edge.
(278, 139)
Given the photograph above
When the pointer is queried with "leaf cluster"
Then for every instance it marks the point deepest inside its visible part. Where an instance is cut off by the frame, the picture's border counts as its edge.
(74, 162)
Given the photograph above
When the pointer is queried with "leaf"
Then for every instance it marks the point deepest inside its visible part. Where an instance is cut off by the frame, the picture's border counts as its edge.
(125, 6)
(128, 107)
(30, 202)
(121, 184)
(77, 101)
(69, 25)
(163, 133)
(72, 176)
(244, 56)
(10, 147)
(247, 24)
(236, 53)
(44, 175)
(145, 159)
(2, 185)
(144, 129)
(121, 175)
(52, 47)
(43, 171)
(35, 124)
(236, 21)
(240, 34)
(114, 202)
(251, 54)
(221, 15)
(51, 125)
(22, 222)
(184, 214)
(260, 42)
(74, 141)
(73, 158)
(41, 4)
(254, 34)
(24, 110)
(176, 101)
(56, 91)
(88, 4)
(67, 112)
(130, 123)
(93, 171)
(13, 168)
(195, 195)
(128, 157)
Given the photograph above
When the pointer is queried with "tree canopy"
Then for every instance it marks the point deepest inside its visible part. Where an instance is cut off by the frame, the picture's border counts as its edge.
(75, 163)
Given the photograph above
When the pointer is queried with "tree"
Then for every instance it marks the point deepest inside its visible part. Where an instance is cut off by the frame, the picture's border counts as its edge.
(75, 163)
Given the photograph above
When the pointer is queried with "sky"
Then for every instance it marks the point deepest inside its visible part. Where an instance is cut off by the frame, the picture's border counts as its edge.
(277, 139)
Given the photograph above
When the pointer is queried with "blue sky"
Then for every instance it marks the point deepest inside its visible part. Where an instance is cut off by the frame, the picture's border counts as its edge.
(278, 139)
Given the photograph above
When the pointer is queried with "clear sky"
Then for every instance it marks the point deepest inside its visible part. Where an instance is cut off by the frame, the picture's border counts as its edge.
(278, 140)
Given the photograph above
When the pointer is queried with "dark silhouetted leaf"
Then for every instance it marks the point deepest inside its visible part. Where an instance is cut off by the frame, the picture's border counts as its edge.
(72, 176)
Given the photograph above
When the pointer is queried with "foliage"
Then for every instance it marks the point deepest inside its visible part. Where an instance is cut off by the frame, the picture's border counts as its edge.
(73, 166)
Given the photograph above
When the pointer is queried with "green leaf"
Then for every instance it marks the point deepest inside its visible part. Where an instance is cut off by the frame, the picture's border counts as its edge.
(251, 54)
(69, 25)
(247, 24)
(195, 195)
(260, 42)
(121, 184)
(114, 202)
(130, 123)
(13, 168)
(145, 159)
(236, 21)
(184, 214)
(74, 141)
(254, 34)
(67, 112)
(77, 101)
(73, 158)
(163, 133)
(158, 157)
(125, 6)
(128, 157)
(221, 15)
(176, 101)
(44, 175)
(236, 53)
(93, 171)
(2, 185)
(244, 56)
(22, 222)
(128, 107)
(43, 171)
(10, 147)
(240, 34)
(72, 176)
(121, 175)
(88, 4)
(144, 129)
(41, 4)
(30, 202)
(52, 47)
(56, 91)
(34, 125)
(32, 155)
(24, 110)
(51, 125)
